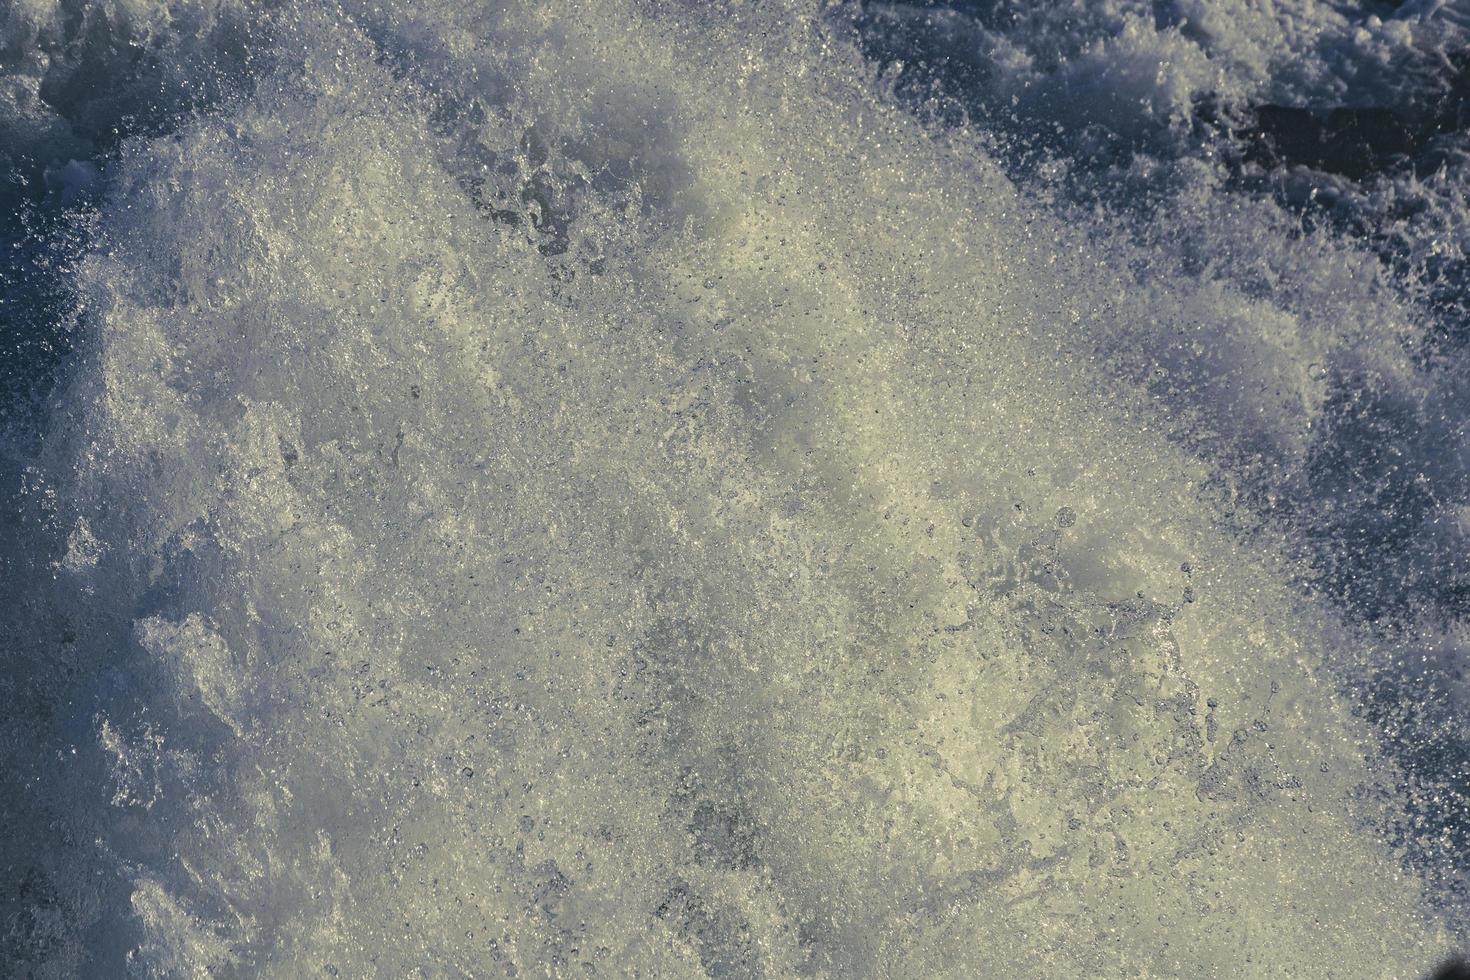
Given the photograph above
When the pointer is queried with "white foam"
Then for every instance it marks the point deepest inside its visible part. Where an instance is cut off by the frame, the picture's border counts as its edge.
(565, 485)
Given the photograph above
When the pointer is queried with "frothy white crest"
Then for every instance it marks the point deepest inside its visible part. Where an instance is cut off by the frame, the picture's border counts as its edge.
(596, 487)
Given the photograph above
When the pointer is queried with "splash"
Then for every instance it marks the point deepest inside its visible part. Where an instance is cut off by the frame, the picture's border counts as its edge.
(609, 489)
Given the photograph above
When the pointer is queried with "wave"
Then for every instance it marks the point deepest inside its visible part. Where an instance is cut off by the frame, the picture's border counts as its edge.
(653, 488)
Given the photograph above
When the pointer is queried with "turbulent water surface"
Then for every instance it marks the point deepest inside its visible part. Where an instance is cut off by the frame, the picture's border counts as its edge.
(734, 489)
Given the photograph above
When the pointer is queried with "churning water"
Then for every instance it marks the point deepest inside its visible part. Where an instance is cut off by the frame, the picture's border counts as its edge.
(734, 489)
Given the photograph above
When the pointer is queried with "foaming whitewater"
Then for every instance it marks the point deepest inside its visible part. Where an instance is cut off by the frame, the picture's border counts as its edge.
(613, 489)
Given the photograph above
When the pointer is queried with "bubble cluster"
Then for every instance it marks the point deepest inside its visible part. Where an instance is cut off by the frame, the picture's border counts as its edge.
(606, 489)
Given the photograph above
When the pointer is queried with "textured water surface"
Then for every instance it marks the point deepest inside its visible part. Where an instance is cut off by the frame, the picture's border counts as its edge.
(734, 489)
